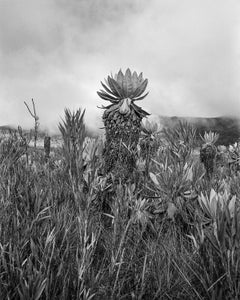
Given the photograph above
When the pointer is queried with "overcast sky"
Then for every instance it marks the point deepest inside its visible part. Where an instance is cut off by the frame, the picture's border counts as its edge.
(57, 52)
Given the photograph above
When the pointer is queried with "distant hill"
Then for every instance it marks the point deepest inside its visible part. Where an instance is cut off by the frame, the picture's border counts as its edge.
(4, 128)
(227, 127)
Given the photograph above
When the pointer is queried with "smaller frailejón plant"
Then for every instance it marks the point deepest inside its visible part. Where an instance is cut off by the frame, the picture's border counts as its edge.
(122, 121)
(149, 143)
(208, 151)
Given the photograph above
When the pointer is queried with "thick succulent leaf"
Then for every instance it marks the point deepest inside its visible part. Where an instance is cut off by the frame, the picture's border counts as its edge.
(106, 82)
(142, 113)
(115, 87)
(104, 107)
(107, 89)
(129, 86)
(120, 78)
(125, 87)
(140, 78)
(114, 107)
(104, 92)
(140, 90)
(111, 86)
(135, 81)
(107, 97)
(140, 98)
(128, 73)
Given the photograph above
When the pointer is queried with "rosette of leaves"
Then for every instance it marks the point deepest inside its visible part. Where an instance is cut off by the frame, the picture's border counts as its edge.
(149, 143)
(122, 121)
(180, 141)
(208, 151)
(234, 156)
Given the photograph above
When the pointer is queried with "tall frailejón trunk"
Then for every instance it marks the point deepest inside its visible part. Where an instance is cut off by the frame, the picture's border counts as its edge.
(122, 122)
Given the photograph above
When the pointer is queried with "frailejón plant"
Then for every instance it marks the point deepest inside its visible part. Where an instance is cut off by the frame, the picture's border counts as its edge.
(122, 121)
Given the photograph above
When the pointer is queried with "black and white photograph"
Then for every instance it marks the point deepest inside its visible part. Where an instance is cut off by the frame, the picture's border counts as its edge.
(119, 149)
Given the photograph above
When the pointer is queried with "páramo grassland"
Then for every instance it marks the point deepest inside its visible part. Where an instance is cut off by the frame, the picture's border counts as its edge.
(142, 213)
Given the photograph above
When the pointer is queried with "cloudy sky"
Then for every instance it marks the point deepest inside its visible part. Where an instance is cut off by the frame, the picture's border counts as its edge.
(58, 51)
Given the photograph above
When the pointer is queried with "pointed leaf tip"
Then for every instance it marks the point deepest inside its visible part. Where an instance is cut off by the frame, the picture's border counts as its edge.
(128, 73)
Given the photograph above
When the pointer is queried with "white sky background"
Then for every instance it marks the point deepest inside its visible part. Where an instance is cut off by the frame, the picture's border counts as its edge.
(57, 52)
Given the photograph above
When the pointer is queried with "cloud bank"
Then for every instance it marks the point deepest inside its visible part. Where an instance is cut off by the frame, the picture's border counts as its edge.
(57, 52)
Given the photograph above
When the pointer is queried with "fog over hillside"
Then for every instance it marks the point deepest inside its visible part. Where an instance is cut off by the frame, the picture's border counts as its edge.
(227, 127)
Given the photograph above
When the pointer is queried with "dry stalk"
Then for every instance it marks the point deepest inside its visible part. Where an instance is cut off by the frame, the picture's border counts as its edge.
(36, 121)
